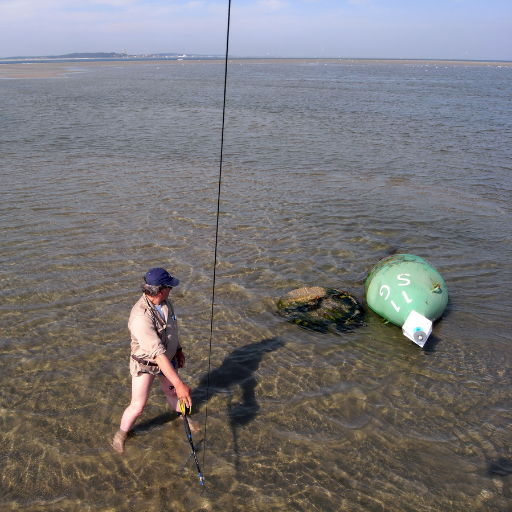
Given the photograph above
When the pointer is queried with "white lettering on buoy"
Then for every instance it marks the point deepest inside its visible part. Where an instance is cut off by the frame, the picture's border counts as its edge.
(395, 306)
(406, 298)
(381, 292)
(400, 278)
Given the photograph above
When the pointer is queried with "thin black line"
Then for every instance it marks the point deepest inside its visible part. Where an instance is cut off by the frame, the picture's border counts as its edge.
(217, 228)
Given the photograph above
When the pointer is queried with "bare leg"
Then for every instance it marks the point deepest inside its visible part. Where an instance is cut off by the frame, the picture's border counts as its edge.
(170, 394)
(140, 393)
(172, 400)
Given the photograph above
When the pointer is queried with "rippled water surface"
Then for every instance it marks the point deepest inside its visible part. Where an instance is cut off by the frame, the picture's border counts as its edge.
(327, 168)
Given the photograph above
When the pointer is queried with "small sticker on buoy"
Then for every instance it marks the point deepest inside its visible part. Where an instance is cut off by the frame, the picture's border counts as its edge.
(419, 336)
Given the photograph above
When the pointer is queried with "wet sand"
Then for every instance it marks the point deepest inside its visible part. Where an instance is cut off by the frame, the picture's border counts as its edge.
(61, 69)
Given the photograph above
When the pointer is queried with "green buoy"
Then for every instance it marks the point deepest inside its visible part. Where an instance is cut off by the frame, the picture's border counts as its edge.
(407, 291)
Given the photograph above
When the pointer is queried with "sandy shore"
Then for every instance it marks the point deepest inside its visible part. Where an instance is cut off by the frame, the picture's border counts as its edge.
(61, 69)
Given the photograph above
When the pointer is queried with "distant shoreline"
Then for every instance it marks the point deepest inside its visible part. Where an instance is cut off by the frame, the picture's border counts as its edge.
(49, 69)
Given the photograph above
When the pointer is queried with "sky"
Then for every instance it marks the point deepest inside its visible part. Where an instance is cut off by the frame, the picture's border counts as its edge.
(400, 29)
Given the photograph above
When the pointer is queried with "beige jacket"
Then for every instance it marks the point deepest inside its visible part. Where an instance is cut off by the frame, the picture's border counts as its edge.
(147, 343)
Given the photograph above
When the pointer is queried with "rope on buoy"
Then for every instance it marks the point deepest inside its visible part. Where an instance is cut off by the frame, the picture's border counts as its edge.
(217, 226)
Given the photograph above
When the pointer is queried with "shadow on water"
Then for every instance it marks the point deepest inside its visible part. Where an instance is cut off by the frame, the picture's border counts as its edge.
(146, 426)
(500, 467)
(237, 369)
(431, 343)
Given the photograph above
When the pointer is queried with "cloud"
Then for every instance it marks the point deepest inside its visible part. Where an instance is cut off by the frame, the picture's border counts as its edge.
(53, 27)
(346, 28)
(273, 5)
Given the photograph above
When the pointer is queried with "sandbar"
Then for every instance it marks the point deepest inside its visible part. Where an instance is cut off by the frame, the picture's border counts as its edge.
(61, 69)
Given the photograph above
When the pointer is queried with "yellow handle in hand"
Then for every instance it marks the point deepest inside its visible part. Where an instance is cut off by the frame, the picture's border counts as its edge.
(183, 408)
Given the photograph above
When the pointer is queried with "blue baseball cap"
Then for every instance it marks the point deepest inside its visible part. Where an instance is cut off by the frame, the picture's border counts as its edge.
(160, 276)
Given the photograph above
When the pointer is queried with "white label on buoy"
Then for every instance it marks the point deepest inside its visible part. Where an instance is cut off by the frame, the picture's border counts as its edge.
(417, 328)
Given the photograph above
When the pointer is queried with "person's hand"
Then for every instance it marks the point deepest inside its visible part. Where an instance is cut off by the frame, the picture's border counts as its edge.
(183, 393)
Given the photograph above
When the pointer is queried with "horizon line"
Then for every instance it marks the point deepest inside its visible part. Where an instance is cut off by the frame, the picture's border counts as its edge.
(81, 56)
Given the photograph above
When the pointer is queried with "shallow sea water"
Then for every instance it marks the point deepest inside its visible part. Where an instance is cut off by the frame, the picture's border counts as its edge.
(327, 168)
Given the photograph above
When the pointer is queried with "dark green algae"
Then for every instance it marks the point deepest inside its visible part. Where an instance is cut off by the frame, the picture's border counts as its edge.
(322, 309)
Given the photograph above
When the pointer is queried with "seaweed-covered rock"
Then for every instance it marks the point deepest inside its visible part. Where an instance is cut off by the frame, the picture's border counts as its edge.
(321, 309)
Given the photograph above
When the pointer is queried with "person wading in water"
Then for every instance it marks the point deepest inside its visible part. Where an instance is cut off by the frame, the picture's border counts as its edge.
(155, 351)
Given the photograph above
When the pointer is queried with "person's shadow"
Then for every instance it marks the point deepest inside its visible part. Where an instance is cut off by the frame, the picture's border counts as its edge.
(237, 369)
(499, 467)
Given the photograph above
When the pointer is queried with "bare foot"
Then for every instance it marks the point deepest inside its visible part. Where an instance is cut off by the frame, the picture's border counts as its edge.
(194, 425)
(119, 440)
